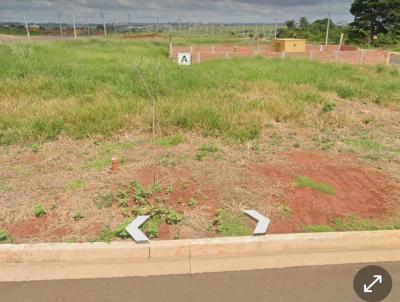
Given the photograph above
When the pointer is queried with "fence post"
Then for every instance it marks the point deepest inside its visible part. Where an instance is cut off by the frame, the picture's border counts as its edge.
(283, 55)
(198, 58)
(213, 49)
(362, 54)
(336, 55)
(311, 55)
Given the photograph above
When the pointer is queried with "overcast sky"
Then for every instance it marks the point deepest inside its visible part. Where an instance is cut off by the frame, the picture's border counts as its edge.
(174, 10)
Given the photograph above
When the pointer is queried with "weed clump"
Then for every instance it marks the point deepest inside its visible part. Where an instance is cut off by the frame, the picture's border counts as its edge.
(78, 215)
(4, 237)
(39, 211)
(103, 201)
(205, 150)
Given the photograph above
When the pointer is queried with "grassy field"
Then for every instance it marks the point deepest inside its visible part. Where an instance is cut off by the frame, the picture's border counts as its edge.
(314, 146)
(90, 87)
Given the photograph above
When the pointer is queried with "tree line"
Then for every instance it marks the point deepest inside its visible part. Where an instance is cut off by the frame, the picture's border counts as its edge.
(376, 22)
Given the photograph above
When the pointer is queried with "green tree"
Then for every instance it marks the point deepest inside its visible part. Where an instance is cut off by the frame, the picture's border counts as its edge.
(304, 24)
(375, 17)
(291, 24)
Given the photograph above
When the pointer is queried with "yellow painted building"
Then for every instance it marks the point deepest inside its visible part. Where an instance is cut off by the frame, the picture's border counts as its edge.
(289, 45)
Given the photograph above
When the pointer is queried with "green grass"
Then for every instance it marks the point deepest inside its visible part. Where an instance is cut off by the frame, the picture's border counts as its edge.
(4, 187)
(171, 140)
(88, 87)
(355, 223)
(314, 228)
(205, 150)
(103, 201)
(229, 224)
(305, 182)
(75, 185)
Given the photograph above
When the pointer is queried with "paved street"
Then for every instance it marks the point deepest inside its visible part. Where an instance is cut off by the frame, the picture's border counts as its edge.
(322, 284)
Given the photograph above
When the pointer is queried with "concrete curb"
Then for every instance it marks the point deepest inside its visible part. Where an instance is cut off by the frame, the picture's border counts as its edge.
(27, 262)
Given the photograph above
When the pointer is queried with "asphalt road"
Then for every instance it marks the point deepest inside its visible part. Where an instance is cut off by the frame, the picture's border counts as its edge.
(308, 284)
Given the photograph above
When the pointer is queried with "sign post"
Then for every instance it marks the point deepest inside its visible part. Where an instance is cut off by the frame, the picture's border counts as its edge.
(185, 58)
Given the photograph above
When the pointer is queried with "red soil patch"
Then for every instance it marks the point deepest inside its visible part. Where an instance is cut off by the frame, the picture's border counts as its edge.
(38, 227)
(185, 187)
(365, 192)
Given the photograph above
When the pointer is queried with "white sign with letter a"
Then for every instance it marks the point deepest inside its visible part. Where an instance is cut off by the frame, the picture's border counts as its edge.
(184, 58)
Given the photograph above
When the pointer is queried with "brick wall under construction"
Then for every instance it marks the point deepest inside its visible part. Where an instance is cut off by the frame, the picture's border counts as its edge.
(330, 53)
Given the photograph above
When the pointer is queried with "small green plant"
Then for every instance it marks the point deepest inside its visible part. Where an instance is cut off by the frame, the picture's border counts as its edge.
(282, 211)
(35, 148)
(123, 194)
(140, 194)
(173, 217)
(126, 212)
(205, 150)
(317, 228)
(170, 189)
(192, 203)
(276, 139)
(123, 199)
(39, 210)
(150, 227)
(106, 234)
(121, 231)
(103, 201)
(123, 203)
(158, 187)
(305, 182)
(78, 215)
(4, 236)
(328, 107)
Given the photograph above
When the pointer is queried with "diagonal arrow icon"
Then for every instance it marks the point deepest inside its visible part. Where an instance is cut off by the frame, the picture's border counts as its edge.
(378, 278)
(133, 229)
(263, 222)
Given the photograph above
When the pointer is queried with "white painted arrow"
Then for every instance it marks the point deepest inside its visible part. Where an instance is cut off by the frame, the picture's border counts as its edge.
(378, 278)
(133, 229)
(263, 222)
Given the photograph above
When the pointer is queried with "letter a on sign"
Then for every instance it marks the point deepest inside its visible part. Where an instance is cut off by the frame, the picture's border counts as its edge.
(184, 58)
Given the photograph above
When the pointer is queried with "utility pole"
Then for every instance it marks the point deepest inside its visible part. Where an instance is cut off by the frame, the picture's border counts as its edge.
(104, 24)
(327, 29)
(87, 25)
(243, 29)
(59, 22)
(276, 28)
(73, 24)
(27, 27)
